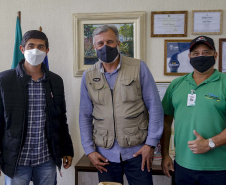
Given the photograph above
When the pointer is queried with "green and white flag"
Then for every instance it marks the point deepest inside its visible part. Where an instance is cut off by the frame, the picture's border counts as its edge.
(17, 55)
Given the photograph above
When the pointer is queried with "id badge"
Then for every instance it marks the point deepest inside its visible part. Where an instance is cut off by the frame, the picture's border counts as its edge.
(191, 99)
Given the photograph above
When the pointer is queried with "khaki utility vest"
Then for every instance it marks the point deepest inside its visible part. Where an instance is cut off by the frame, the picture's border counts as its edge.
(119, 113)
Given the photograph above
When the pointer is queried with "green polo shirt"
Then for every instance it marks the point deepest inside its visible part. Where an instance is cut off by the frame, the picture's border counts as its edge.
(207, 117)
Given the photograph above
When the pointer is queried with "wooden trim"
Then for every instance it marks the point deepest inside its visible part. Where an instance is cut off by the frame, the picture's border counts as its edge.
(220, 66)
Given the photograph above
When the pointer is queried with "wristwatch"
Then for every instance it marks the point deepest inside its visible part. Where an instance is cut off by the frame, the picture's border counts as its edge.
(211, 144)
(153, 147)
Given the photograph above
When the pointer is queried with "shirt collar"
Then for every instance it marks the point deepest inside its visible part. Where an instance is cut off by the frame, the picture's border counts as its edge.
(118, 67)
(214, 77)
(40, 79)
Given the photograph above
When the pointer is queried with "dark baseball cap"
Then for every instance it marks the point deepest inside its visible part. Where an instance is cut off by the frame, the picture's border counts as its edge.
(204, 40)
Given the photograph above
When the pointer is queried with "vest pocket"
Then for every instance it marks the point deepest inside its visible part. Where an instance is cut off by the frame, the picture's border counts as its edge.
(134, 115)
(129, 90)
(97, 94)
(100, 137)
(136, 135)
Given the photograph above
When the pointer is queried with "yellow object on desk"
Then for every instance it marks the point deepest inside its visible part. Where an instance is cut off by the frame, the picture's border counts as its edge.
(109, 183)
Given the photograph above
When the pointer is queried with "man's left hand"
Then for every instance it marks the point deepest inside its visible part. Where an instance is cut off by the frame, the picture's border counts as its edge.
(147, 156)
(200, 145)
(67, 160)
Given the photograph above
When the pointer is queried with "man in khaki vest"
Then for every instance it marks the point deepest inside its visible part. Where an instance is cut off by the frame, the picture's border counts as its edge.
(121, 117)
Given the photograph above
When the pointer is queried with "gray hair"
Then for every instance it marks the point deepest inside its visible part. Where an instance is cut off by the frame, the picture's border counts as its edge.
(105, 28)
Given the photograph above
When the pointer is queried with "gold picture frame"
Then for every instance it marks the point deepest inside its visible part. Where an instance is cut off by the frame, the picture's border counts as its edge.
(222, 55)
(171, 145)
(169, 23)
(207, 22)
(176, 60)
(80, 20)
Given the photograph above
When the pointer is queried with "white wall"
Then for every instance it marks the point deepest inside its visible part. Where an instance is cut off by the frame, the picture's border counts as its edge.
(55, 17)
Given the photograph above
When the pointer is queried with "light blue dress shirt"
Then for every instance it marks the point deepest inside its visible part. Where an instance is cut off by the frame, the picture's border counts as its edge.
(151, 100)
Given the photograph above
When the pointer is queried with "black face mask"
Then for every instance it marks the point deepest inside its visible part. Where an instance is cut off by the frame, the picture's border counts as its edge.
(107, 54)
(202, 63)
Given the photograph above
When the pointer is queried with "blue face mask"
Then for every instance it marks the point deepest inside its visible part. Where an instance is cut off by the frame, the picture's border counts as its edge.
(107, 54)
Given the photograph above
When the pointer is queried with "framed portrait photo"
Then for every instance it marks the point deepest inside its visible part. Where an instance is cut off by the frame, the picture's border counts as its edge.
(169, 23)
(176, 60)
(206, 22)
(131, 26)
(222, 55)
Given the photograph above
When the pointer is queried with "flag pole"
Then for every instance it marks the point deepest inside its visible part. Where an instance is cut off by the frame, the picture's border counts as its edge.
(19, 16)
(17, 55)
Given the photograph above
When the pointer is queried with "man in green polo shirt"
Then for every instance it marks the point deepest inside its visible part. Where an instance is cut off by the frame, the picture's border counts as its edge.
(197, 103)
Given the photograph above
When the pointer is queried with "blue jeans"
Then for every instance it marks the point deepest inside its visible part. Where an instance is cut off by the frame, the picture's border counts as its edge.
(184, 176)
(43, 174)
(131, 168)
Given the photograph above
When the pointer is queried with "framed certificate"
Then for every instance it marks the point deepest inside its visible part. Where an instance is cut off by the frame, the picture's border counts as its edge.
(176, 60)
(169, 24)
(207, 22)
(222, 55)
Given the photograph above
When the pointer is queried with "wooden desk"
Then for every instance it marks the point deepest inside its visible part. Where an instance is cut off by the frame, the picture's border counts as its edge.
(84, 165)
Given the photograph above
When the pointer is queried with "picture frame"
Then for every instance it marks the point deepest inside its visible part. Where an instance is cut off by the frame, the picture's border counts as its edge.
(162, 87)
(90, 20)
(222, 55)
(207, 22)
(169, 23)
(176, 60)
(171, 145)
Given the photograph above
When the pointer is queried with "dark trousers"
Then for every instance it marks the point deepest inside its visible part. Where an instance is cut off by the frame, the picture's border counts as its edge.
(184, 176)
(131, 168)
